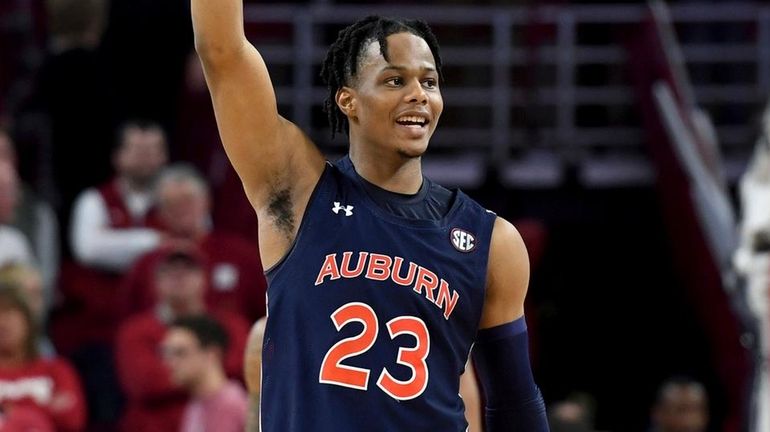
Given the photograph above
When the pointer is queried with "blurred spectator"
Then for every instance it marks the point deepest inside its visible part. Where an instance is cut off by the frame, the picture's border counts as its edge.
(43, 389)
(154, 402)
(36, 220)
(75, 94)
(681, 406)
(111, 226)
(30, 282)
(574, 414)
(14, 246)
(110, 223)
(236, 282)
(194, 349)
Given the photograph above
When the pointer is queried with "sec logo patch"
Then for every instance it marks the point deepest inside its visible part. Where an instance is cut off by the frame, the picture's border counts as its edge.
(462, 240)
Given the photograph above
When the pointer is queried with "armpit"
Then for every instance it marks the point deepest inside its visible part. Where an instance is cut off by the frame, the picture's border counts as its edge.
(281, 211)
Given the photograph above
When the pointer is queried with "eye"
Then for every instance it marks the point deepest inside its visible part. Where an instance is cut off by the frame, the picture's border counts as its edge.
(394, 81)
(430, 83)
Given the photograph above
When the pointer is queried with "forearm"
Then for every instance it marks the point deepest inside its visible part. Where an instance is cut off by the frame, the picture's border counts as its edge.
(115, 249)
(95, 243)
(218, 27)
(513, 400)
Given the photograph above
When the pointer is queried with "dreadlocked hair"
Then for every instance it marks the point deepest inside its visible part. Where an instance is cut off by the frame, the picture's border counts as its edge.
(341, 63)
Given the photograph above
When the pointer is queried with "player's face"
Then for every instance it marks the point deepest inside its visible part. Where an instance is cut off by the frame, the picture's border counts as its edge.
(184, 357)
(142, 154)
(396, 105)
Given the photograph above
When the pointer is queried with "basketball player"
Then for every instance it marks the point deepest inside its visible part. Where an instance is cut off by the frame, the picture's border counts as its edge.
(379, 281)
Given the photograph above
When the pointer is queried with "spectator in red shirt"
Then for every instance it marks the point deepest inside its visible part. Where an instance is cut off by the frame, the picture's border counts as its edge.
(193, 349)
(236, 281)
(33, 390)
(112, 225)
(154, 402)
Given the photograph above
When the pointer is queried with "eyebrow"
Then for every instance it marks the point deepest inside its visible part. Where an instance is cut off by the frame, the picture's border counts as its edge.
(403, 68)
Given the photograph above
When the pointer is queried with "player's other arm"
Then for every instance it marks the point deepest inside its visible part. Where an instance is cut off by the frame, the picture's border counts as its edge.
(277, 163)
(500, 354)
(252, 372)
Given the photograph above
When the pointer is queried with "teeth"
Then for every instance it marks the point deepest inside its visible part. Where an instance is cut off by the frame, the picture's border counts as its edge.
(412, 119)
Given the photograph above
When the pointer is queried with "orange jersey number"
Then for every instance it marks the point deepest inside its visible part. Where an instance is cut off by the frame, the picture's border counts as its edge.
(334, 372)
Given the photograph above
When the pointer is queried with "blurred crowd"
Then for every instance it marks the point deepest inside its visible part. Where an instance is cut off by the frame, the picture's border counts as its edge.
(92, 329)
(129, 272)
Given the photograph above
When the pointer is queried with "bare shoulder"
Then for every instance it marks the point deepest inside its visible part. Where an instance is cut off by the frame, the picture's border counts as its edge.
(507, 276)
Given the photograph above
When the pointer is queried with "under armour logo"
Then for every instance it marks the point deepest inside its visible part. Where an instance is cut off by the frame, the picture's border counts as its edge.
(347, 209)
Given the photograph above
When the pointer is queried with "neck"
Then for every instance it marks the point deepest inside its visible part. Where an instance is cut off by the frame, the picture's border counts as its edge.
(195, 234)
(186, 309)
(394, 172)
(210, 383)
(128, 185)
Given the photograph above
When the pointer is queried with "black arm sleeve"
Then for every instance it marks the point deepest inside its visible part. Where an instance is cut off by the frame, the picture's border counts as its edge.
(512, 400)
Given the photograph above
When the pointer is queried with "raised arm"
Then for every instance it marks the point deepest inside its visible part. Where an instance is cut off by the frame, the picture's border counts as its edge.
(277, 163)
(500, 354)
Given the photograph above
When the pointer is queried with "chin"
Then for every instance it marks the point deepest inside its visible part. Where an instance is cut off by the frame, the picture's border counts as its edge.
(412, 152)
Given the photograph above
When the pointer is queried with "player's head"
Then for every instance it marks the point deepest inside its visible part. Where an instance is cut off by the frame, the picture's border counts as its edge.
(18, 327)
(180, 280)
(183, 201)
(30, 283)
(194, 346)
(140, 152)
(681, 406)
(9, 191)
(382, 74)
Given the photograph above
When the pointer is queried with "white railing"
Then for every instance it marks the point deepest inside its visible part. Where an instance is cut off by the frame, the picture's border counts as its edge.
(541, 128)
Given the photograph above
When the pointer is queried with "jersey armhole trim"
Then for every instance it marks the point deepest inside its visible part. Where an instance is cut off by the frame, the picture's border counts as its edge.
(316, 190)
(485, 277)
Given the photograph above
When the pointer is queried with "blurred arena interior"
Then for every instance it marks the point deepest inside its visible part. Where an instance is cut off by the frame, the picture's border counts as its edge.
(614, 134)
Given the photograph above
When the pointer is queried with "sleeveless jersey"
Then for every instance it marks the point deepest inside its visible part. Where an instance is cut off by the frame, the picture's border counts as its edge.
(371, 316)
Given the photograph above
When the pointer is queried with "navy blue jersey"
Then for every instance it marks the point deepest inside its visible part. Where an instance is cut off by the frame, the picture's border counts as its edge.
(371, 316)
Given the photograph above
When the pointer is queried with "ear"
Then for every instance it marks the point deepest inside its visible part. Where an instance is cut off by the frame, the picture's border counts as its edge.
(346, 101)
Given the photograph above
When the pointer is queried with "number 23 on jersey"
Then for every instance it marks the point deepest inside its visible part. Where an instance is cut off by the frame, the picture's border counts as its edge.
(336, 373)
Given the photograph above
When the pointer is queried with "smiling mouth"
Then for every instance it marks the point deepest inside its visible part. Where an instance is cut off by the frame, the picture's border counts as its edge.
(412, 121)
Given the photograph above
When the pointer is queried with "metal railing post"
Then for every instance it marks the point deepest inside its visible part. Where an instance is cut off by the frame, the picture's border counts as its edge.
(302, 95)
(501, 88)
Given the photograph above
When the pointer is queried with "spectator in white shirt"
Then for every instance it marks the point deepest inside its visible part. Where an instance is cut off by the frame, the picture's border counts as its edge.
(113, 224)
(36, 219)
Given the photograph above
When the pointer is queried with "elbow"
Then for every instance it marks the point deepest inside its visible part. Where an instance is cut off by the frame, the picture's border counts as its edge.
(212, 53)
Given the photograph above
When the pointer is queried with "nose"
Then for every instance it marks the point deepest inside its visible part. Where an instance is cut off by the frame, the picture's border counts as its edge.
(416, 93)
